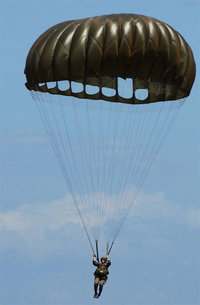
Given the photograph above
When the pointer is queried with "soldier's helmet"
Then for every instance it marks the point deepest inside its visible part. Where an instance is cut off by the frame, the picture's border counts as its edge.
(103, 258)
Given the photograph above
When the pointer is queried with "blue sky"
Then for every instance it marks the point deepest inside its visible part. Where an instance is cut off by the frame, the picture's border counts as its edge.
(45, 258)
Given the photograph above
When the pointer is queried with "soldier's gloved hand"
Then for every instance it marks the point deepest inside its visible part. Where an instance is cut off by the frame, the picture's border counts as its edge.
(94, 255)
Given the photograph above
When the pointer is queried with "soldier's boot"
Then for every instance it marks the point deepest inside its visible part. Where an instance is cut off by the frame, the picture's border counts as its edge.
(100, 290)
(95, 291)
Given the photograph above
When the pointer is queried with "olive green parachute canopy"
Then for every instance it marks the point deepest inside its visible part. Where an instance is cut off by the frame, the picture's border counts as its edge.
(98, 50)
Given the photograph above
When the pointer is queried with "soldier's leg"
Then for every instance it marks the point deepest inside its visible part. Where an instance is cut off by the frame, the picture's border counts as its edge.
(101, 283)
(96, 282)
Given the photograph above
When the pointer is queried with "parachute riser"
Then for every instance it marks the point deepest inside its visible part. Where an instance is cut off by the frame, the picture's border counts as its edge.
(109, 249)
(97, 250)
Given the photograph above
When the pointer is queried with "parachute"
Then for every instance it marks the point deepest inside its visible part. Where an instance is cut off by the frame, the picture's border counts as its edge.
(108, 89)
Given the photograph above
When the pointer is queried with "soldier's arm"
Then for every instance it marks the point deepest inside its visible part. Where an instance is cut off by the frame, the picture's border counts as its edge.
(95, 263)
(108, 261)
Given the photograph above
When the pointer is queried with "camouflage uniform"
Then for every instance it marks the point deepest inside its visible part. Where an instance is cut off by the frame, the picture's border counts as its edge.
(101, 274)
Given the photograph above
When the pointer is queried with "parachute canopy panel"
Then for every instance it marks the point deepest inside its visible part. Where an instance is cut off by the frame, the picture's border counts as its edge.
(97, 51)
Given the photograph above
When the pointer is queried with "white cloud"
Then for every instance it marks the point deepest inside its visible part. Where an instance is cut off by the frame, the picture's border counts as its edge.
(194, 217)
(58, 214)
(43, 228)
(39, 217)
(155, 205)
